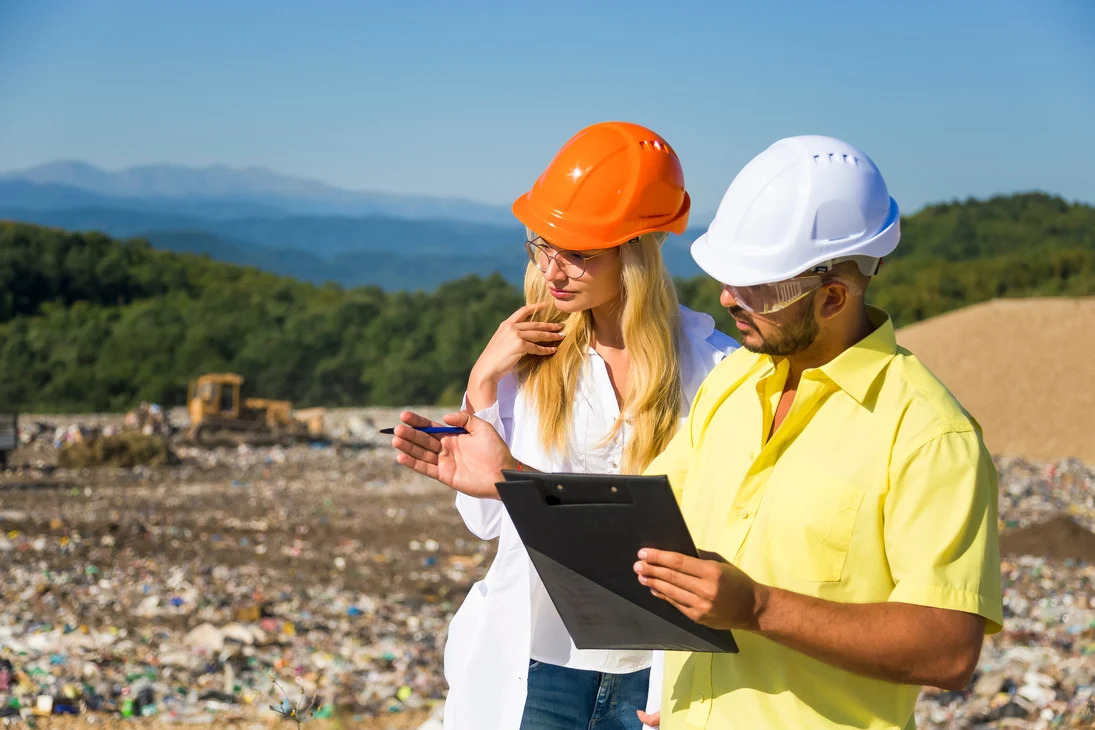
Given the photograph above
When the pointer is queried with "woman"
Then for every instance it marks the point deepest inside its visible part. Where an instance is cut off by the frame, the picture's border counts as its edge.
(593, 375)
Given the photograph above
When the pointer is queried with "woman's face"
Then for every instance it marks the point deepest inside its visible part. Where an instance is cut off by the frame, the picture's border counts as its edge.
(579, 280)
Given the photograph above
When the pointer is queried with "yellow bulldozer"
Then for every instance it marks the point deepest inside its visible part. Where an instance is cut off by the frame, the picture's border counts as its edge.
(218, 416)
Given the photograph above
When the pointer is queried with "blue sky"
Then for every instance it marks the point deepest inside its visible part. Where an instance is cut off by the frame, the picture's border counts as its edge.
(467, 99)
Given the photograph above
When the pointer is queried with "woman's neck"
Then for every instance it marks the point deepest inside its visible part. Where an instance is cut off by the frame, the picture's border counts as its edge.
(608, 330)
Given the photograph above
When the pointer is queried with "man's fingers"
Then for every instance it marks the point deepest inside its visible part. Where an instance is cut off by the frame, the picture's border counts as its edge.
(421, 467)
(686, 610)
(696, 586)
(653, 719)
(414, 451)
(674, 561)
(675, 593)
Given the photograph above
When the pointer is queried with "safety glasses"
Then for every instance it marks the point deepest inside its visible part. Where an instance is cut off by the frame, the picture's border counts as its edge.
(770, 298)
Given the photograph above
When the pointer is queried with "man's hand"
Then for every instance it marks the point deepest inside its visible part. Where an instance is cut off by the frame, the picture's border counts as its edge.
(470, 463)
(888, 640)
(650, 720)
(710, 592)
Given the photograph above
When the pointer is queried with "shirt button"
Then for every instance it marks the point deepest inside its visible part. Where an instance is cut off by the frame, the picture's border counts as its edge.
(744, 514)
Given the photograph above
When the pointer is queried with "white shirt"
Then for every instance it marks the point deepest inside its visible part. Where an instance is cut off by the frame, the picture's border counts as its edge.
(508, 618)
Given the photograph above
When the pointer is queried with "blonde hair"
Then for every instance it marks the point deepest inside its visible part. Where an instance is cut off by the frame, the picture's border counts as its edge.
(650, 322)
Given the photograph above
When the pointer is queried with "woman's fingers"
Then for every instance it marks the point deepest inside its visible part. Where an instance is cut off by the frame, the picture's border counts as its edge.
(418, 438)
(537, 336)
(534, 349)
(414, 451)
(541, 326)
(421, 467)
(413, 419)
(526, 311)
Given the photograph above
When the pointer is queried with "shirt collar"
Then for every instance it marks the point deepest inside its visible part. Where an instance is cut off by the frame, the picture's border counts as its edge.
(855, 370)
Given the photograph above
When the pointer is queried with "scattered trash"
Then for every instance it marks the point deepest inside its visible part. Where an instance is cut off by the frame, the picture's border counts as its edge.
(182, 592)
(1040, 670)
(126, 448)
(168, 593)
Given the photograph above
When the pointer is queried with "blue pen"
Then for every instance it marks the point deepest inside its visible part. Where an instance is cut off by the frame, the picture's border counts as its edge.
(436, 430)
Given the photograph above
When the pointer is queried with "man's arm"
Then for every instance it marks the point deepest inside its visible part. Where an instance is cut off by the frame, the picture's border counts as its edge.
(942, 549)
(897, 642)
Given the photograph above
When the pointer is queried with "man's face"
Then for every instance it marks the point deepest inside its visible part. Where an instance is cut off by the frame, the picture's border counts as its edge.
(779, 334)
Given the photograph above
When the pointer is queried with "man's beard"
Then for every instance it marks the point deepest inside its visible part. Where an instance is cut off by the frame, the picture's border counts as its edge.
(792, 337)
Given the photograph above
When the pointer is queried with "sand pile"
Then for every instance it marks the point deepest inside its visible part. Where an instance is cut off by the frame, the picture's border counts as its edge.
(1024, 368)
(1060, 538)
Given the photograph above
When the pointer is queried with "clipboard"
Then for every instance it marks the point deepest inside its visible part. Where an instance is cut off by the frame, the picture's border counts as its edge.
(583, 533)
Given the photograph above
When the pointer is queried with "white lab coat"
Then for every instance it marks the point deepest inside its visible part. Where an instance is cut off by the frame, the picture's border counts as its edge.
(488, 645)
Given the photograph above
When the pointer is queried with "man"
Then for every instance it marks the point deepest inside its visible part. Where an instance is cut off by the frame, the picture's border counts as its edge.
(848, 497)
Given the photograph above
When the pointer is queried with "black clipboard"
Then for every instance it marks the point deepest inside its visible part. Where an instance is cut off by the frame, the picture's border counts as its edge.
(583, 533)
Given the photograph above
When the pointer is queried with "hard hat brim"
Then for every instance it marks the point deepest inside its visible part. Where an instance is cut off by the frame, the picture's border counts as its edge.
(715, 264)
(565, 238)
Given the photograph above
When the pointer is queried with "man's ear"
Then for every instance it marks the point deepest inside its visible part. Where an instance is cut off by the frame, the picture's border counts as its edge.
(836, 299)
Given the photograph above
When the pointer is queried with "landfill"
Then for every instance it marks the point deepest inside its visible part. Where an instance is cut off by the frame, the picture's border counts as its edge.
(255, 586)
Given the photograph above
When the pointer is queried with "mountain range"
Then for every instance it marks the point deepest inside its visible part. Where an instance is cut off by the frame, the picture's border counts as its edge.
(282, 224)
(246, 191)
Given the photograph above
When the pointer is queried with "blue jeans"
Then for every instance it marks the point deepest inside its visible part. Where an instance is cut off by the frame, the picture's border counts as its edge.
(575, 699)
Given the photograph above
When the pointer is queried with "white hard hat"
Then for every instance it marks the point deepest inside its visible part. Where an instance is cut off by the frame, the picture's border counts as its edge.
(802, 202)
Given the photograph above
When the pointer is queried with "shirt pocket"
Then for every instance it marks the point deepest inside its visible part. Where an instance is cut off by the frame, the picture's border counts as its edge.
(812, 527)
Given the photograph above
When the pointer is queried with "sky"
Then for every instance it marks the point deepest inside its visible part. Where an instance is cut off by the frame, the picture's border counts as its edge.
(472, 99)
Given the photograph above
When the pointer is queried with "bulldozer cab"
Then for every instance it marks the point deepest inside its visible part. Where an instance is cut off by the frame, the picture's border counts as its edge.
(218, 414)
(214, 394)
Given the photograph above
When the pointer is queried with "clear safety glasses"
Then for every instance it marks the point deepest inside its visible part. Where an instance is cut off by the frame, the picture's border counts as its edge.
(770, 298)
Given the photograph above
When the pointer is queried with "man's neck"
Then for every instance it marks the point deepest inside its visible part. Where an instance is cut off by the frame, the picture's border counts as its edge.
(826, 349)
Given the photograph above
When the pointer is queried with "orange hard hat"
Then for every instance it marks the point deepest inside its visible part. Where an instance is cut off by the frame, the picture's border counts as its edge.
(611, 182)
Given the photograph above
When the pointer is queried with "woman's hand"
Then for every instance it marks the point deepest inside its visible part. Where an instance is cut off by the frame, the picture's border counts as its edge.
(470, 463)
(515, 338)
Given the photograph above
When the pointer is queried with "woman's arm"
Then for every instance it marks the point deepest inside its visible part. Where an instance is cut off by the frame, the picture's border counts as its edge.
(515, 338)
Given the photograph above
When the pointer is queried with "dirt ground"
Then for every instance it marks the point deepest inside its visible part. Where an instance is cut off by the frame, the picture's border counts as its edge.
(1022, 367)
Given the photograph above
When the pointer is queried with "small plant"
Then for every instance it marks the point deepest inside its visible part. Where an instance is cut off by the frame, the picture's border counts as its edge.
(299, 711)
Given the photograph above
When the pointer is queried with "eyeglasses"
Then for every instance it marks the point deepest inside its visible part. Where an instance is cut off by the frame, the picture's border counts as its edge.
(769, 298)
(571, 263)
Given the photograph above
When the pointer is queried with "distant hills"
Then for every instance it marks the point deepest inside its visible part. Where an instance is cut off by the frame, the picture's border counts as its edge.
(92, 323)
(248, 191)
(319, 233)
(284, 225)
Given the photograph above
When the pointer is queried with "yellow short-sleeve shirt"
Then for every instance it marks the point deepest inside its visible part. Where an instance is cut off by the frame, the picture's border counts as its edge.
(876, 487)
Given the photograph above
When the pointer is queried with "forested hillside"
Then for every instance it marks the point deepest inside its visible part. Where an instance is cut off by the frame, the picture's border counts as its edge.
(92, 323)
